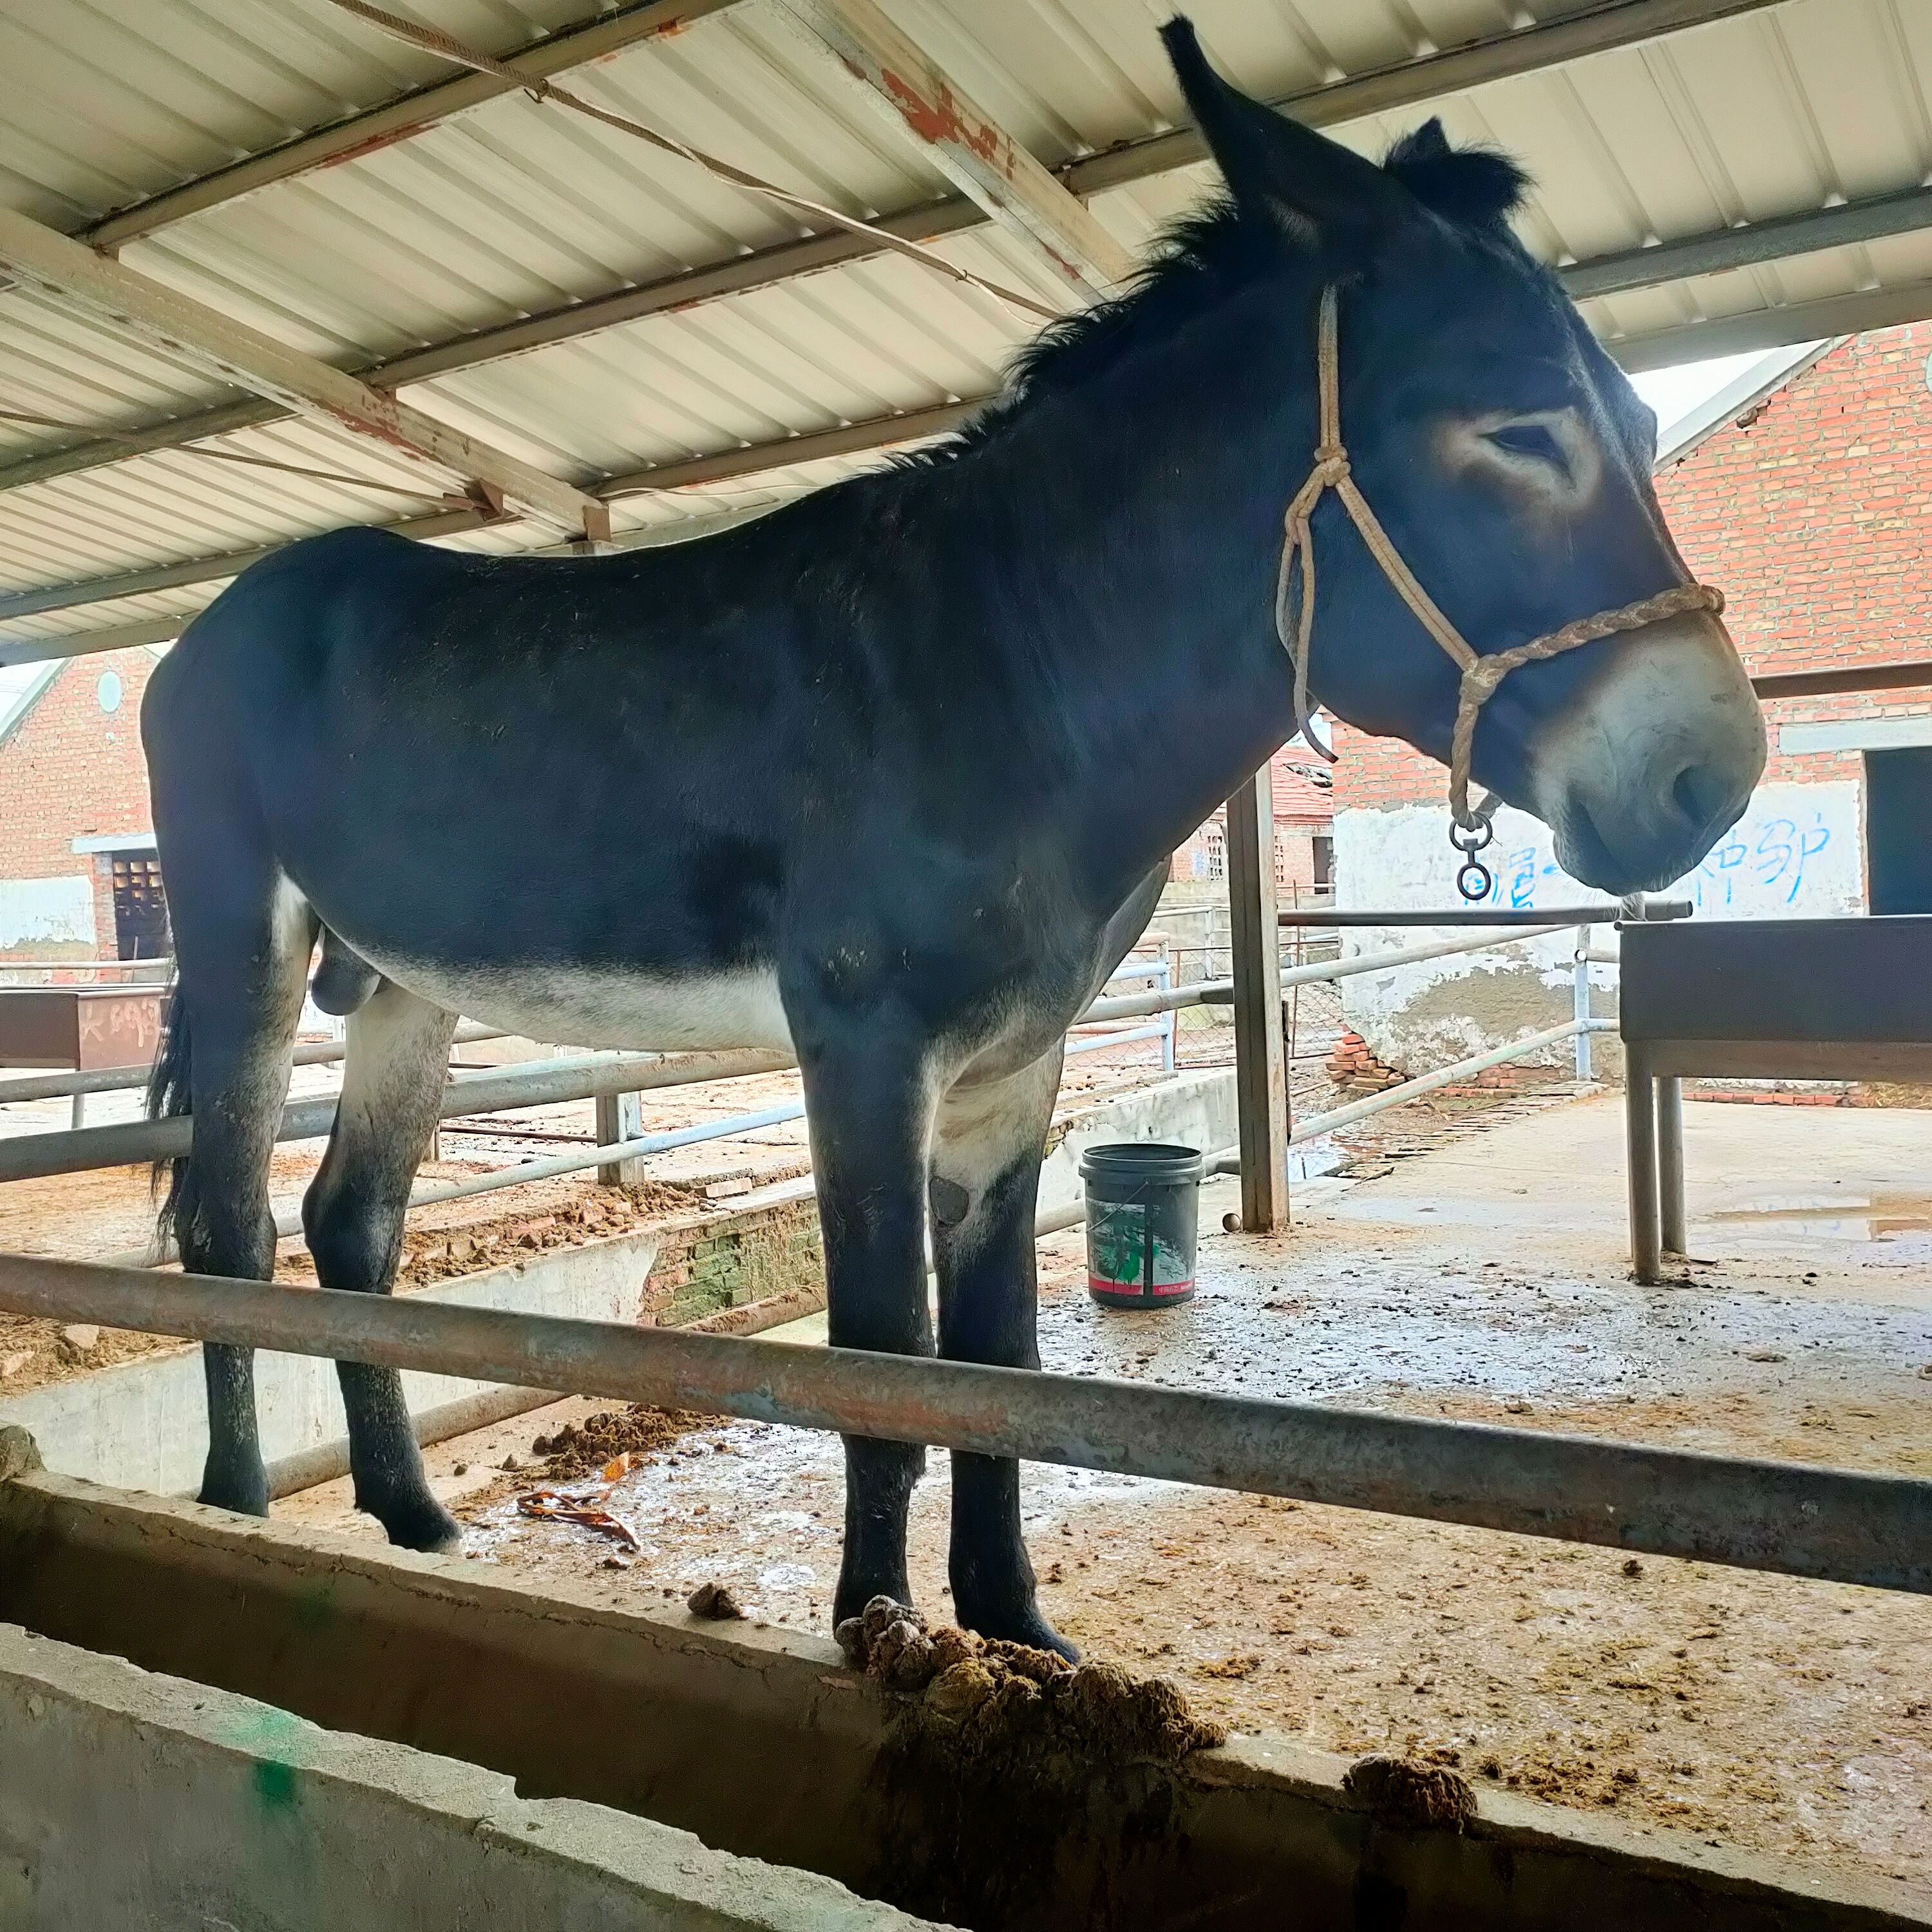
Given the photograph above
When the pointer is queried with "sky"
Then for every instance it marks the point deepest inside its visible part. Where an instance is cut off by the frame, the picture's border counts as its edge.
(1675, 392)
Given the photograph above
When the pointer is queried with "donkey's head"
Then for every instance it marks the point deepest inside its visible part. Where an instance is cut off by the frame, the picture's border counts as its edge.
(1509, 459)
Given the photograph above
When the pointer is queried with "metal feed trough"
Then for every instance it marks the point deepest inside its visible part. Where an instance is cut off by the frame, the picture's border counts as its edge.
(1793, 999)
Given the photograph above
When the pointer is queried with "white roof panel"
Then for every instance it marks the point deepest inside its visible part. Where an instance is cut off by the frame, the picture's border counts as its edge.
(514, 208)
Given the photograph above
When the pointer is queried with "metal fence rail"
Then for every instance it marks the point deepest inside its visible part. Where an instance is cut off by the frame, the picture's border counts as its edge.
(1505, 916)
(540, 1083)
(1840, 1525)
(129, 1079)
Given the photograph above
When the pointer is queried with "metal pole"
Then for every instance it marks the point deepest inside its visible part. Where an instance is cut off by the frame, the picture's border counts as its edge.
(1170, 1021)
(1313, 1125)
(1841, 1525)
(289, 1222)
(1219, 992)
(1261, 1066)
(541, 1083)
(119, 1079)
(1558, 916)
(1579, 1002)
(1670, 1165)
(1640, 1152)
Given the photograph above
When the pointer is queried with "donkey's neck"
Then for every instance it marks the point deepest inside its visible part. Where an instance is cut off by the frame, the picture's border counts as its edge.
(1139, 520)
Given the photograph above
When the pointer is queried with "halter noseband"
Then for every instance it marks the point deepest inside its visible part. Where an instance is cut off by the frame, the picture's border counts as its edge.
(1471, 829)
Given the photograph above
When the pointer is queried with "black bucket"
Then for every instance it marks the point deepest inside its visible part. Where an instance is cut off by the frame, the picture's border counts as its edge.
(1143, 1209)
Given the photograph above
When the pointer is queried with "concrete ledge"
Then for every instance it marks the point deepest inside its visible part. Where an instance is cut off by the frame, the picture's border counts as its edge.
(128, 1798)
(763, 1743)
(143, 1424)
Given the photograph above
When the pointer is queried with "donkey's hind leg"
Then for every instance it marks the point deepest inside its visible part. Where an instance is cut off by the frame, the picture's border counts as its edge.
(244, 942)
(392, 1086)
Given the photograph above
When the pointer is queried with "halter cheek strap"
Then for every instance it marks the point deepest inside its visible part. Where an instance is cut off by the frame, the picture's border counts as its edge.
(1481, 674)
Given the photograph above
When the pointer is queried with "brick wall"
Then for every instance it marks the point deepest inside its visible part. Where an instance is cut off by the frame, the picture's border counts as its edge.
(707, 1262)
(1813, 514)
(70, 770)
(1302, 814)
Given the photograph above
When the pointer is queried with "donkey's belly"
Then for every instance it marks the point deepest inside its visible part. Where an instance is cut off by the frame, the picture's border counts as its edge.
(575, 1006)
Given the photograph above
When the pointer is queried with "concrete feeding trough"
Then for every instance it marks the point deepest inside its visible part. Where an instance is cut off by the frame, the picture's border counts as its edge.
(765, 1745)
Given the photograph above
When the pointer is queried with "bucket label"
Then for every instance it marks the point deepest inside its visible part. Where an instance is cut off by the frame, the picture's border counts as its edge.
(1123, 1254)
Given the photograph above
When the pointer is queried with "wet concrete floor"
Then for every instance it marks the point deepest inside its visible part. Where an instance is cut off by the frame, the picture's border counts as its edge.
(1487, 1279)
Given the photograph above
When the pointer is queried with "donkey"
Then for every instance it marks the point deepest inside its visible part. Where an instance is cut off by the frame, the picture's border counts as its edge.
(889, 777)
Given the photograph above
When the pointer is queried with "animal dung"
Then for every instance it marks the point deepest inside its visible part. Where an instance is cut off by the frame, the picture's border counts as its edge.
(1400, 1791)
(714, 1602)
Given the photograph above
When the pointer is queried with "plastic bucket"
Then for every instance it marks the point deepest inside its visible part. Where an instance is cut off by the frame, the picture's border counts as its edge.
(1143, 1212)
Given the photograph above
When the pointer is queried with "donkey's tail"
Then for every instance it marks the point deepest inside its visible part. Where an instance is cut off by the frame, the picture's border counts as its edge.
(169, 1095)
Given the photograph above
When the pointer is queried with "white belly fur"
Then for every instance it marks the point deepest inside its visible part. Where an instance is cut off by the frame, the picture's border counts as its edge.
(569, 1006)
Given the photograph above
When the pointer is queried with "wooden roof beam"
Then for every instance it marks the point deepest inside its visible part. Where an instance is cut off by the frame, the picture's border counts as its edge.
(873, 59)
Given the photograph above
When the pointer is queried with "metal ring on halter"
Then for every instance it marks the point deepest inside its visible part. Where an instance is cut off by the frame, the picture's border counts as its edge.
(1474, 880)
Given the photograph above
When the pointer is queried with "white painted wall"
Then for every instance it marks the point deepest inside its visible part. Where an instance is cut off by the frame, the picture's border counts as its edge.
(1797, 853)
(45, 912)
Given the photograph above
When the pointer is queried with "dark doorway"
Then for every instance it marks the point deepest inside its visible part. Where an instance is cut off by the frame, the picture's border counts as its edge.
(140, 911)
(1898, 829)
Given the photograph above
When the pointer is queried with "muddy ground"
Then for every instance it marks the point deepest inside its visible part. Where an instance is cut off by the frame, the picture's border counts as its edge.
(1757, 1712)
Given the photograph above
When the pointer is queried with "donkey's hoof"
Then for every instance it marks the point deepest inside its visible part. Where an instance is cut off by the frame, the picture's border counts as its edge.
(1024, 1624)
(421, 1522)
(245, 1492)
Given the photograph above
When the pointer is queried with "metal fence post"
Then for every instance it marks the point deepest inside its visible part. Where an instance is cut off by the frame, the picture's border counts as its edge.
(1170, 1019)
(1261, 1067)
(1579, 1008)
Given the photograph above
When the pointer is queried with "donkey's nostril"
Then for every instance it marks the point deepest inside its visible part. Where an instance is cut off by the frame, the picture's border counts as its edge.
(1700, 793)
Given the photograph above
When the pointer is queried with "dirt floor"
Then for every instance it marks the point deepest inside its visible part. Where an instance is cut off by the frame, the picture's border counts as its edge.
(1757, 1712)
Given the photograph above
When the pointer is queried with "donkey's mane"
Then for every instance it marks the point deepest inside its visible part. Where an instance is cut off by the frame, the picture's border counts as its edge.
(1205, 257)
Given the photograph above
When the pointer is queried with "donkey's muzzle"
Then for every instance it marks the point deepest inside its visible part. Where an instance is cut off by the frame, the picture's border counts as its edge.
(1654, 759)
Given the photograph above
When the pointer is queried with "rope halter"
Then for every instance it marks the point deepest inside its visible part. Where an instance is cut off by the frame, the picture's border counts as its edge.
(1471, 829)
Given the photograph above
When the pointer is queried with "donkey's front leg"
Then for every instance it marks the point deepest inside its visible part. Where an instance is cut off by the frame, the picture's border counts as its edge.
(987, 1145)
(870, 1114)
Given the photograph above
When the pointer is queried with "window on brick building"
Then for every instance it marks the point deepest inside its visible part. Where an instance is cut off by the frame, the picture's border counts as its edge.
(140, 909)
(1324, 860)
(1216, 843)
(1898, 809)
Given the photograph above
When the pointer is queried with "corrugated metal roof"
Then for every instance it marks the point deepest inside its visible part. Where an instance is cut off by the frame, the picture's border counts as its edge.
(515, 208)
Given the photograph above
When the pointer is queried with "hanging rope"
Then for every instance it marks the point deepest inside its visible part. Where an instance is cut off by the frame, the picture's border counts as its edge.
(432, 40)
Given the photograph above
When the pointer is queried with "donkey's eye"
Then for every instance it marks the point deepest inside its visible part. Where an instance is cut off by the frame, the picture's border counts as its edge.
(1531, 440)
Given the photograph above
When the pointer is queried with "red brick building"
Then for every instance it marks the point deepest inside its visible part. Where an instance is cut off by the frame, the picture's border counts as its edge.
(77, 873)
(1304, 843)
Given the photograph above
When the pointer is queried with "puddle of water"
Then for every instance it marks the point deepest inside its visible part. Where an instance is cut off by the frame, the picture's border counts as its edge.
(1311, 1159)
(1880, 1218)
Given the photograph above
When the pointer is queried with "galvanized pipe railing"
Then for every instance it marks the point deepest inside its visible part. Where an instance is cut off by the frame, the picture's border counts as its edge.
(1558, 916)
(540, 1083)
(289, 1221)
(1840, 1525)
(129, 1079)
(1219, 992)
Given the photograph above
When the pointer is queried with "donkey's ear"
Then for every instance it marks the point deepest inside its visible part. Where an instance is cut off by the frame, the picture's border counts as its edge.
(1312, 188)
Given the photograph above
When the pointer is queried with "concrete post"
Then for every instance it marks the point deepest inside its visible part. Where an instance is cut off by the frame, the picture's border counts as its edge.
(620, 1116)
